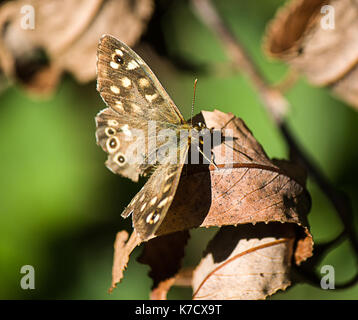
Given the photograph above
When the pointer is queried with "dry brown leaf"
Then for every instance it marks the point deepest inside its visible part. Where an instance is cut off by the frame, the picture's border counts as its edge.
(254, 189)
(162, 254)
(347, 87)
(327, 57)
(183, 279)
(246, 262)
(250, 190)
(122, 251)
(68, 31)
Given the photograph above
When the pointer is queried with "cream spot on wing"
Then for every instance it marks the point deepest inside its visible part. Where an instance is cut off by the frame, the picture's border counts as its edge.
(115, 89)
(132, 65)
(156, 218)
(169, 176)
(114, 65)
(134, 200)
(149, 218)
(120, 52)
(143, 207)
(119, 106)
(126, 131)
(135, 107)
(126, 82)
(109, 131)
(142, 197)
(119, 159)
(112, 144)
(153, 201)
(163, 202)
(151, 97)
(141, 62)
(112, 123)
(143, 82)
(166, 188)
(152, 218)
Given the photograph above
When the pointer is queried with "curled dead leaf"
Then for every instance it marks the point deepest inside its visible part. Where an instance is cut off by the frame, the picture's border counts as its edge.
(326, 54)
(122, 251)
(183, 278)
(252, 189)
(163, 255)
(265, 198)
(68, 38)
(246, 262)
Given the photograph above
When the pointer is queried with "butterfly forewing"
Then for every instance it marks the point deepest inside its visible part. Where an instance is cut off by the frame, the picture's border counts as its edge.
(136, 99)
(127, 84)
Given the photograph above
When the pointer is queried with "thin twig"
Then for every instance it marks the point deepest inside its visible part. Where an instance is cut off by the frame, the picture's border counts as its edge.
(273, 100)
(276, 105)
(339, 200)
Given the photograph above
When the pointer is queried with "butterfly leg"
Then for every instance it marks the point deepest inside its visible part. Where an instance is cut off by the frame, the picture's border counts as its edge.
(228, 122)
(213, 159)
(210, 160)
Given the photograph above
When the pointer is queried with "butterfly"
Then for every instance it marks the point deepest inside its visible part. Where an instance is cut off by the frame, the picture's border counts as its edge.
(135, 100)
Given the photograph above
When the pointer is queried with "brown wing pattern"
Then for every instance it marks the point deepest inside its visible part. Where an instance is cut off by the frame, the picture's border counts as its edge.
(136, 98)
(127, 84)
(152, 202)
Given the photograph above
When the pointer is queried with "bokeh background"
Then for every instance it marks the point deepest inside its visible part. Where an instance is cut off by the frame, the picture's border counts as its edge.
(60, 207)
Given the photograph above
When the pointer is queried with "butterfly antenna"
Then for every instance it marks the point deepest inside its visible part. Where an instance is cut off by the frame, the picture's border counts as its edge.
(192, 105)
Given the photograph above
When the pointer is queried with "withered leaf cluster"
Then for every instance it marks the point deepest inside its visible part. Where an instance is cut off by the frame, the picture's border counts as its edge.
(64, 37)
(319, 38)
(261, 205)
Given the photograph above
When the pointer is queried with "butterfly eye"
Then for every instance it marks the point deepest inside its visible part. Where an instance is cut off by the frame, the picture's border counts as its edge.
(118, 59)
(201, 125)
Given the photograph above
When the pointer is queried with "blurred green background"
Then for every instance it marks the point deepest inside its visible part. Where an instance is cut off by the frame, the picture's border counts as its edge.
(60, 207)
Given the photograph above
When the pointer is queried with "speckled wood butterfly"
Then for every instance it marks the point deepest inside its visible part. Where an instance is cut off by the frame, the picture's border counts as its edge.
(135, 99)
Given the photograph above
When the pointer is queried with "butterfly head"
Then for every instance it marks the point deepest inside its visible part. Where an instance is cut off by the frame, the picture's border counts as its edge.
(199, 126)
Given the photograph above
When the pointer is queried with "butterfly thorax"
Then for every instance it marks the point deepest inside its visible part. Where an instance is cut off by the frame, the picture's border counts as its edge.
(195, 132)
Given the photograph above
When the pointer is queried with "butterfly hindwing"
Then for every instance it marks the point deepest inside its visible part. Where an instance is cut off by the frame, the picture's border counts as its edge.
(113, 134)
(149, 207)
